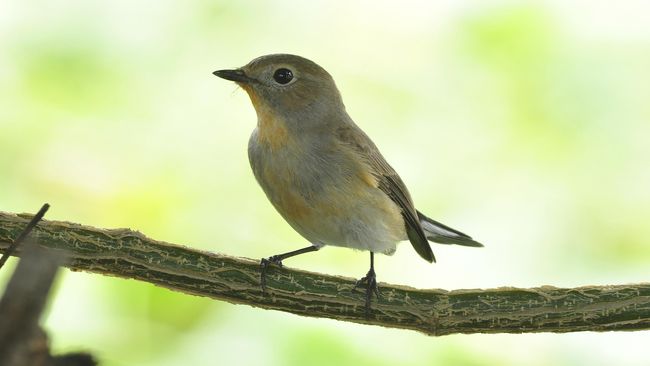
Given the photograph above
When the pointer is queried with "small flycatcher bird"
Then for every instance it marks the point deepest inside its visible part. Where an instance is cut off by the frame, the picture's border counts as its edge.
(322, 173)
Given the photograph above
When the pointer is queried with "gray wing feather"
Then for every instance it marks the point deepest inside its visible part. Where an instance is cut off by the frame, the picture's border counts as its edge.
(391, 184)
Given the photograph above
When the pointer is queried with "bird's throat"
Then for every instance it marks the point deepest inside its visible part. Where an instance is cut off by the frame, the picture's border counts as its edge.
(271, 128)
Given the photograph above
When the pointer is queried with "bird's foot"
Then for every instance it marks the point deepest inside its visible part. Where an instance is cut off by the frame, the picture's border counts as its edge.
(264, 265)
(370, 283)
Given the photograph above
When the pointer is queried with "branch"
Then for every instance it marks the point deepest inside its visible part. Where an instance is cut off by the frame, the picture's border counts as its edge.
(129, 254)
(22, 341)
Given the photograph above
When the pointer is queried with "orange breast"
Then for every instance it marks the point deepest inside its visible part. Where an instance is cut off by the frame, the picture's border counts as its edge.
(271, 129)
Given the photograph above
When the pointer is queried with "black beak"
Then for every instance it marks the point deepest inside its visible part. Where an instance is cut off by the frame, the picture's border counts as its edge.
(233, 75)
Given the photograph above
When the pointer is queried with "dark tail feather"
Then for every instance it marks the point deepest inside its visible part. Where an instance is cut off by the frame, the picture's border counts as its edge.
(443, 234)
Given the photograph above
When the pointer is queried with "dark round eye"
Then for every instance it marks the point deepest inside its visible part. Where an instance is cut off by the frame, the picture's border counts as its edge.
(282, 76)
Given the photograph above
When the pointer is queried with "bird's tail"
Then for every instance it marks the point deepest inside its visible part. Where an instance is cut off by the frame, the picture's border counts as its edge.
(443, 234)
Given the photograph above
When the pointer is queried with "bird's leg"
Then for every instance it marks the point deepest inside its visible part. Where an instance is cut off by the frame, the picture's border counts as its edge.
(277, 260)
(370, 283)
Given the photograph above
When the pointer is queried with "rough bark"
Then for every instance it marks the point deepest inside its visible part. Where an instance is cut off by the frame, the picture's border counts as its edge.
(129, 254)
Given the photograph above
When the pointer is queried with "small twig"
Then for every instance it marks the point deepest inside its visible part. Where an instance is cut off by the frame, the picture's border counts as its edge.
(22, 341)
(30, 226)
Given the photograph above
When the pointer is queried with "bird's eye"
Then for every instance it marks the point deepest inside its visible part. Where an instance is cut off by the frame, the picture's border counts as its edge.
(282, 76)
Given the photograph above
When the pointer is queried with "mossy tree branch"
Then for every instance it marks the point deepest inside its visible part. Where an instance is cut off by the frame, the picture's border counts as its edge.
(129, 254)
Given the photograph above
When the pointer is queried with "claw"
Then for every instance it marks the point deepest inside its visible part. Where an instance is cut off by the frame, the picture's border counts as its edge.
(370, 283)
(264, 265)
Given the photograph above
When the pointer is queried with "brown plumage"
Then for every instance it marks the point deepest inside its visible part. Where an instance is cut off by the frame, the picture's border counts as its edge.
(321, 172)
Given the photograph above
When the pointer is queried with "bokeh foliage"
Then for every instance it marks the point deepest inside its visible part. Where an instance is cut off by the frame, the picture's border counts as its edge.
(526, 125)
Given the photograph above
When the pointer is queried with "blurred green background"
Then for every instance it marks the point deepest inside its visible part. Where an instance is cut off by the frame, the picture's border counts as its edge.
(526, 125)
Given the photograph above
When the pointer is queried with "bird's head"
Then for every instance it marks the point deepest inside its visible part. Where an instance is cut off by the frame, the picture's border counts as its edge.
(288, 87)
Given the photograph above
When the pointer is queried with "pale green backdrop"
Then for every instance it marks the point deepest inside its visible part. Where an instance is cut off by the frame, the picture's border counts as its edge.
(525, 124)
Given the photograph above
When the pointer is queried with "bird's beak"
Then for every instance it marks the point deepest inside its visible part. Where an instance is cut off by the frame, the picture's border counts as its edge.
(236, 75)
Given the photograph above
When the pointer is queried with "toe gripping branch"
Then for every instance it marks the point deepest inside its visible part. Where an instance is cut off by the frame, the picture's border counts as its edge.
(277, 260)
(369, 281)
(264, 266)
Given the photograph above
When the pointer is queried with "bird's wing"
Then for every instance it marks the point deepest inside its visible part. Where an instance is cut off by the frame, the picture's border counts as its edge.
(390, 183)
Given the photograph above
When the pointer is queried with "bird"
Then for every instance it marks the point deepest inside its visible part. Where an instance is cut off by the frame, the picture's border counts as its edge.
(323, 174)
